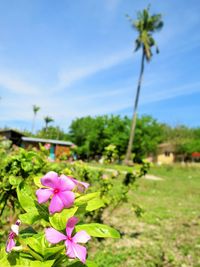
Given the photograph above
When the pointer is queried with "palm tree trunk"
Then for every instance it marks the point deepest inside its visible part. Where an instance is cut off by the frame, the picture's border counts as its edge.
(33, 123)
(46, 125)
(132, 133)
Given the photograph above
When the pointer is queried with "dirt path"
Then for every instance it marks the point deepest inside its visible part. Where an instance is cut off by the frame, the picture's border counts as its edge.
(147, 176)
(152, 177)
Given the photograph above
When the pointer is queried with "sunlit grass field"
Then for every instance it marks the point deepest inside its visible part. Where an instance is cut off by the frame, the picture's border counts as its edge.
(167, 233)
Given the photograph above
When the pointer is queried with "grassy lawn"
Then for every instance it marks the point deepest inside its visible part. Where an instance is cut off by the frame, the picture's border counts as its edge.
(167, 234)
(112, 166)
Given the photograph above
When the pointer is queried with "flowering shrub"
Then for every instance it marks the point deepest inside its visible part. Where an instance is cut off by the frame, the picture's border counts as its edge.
(10, 244)
(39, 244)
(110, 154)
(112, 186)
(47, 146)
(73, 249)
(59, 190)
(16, 166)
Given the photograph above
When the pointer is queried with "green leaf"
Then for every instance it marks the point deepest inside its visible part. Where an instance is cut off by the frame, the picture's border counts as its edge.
(59, 220)
(15, 180)
(48, 263)
(37, 181)
(76, 264)
(3, 259)
(48, 252)
(92, 201)
(42, 210)
(80, 264)
(39, 244)
(17, 260)
(28, 202)
(85, 198)
(25, 197)
(30, 217)
(37, 213)
(91, 264)
(94, 204)
(98, 230)
(27, 232)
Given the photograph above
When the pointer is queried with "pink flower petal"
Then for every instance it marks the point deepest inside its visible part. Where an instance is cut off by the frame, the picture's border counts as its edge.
(86, 185)
(70, 253)
(15, 229)
(80, 185)
(67, 198)
(70, 225)
(76, 251)
(43, 194)
(10, 244)
(53, 236)
(56, 204)
(65, 183)
(50, 180)
(81, 237)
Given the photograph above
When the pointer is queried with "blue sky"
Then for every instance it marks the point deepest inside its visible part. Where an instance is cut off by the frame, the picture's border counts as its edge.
(75, 58)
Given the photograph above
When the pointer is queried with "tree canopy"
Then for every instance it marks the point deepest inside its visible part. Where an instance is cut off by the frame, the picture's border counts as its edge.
(93, 134)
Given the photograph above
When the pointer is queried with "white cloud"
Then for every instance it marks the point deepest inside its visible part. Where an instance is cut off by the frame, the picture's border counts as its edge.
(15, 84)
(63, 110)
(168, 93)
(70, 76)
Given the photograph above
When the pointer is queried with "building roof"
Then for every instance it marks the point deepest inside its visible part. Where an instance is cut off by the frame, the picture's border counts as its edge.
(11, 130)
(166, 147)
(50, 141)
(196, 154)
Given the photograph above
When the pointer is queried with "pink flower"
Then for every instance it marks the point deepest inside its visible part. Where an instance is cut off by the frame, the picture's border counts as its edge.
(59, 190)
(74, 250)
(47, 146)
(10, 244)
(81, 186)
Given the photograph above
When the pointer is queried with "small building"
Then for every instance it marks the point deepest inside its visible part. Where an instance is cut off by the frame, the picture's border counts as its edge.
(12, 135)
(196, 156)
(165, 153)
(57, 148)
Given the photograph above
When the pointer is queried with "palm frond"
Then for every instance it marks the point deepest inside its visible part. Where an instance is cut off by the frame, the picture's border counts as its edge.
(137, 44)
(35, 109)
(146, 25)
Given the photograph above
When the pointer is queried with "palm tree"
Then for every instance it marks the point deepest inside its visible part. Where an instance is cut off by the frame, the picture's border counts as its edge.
(47, 120)
(145, 25)
(35, 110)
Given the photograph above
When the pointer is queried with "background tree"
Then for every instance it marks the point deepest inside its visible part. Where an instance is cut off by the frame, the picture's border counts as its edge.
(145, 25)
(185, 141)
(93, 134)
(148, 134)
(35, 111)
(47, 120)
(53, 133)
(88, 134)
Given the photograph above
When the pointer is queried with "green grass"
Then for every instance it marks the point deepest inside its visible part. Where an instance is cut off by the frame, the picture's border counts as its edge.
(116, 167)
(167, 234)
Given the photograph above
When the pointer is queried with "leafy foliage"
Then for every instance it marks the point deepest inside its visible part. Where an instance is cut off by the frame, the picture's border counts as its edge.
(34, 248)
(110, 153)
(15, 168)
(146, 25)
(52, 132)
(93, 135)
(113, 187)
